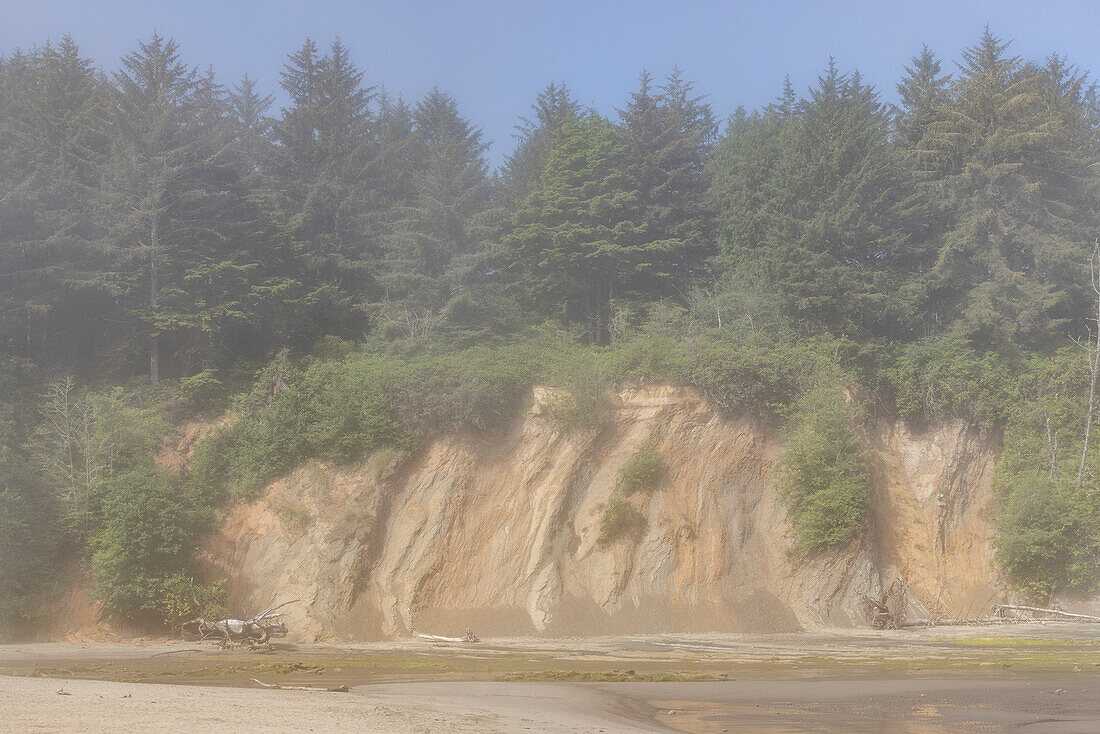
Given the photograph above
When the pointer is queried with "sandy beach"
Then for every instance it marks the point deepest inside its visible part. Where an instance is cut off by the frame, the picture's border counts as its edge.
(39, 705)
(917, 707)
(1036, 679)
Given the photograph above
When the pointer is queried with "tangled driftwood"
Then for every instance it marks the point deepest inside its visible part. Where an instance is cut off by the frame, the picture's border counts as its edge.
(256, 630)
(468, 637)
(888, 612)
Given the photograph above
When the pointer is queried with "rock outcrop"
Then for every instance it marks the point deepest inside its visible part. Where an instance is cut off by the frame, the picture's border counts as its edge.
(499, 534)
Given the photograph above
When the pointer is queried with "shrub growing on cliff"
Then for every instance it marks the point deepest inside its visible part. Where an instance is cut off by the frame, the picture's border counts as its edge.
(620, 520)
(583, 378)
(175, 603)
(342, 408)
(199, 394)
(823, 474)
(758, 373)
(945, 377)
(642, 471)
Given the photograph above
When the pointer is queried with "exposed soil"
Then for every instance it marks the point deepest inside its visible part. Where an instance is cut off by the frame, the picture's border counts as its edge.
(499, 533)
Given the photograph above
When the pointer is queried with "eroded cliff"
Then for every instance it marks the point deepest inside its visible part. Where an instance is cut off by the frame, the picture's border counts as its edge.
(499, 533)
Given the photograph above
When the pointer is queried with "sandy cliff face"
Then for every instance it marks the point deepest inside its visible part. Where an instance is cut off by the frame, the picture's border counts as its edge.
(500, 534)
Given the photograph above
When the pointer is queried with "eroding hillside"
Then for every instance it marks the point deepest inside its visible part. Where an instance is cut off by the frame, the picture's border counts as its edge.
(500, 534)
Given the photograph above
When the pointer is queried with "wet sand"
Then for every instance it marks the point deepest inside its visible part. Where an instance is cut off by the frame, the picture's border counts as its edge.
(907, 706)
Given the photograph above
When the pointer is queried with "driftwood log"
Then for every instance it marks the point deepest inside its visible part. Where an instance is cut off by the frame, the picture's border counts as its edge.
(888, 612)
(316, 689)
(1003, 610)
(468, 637)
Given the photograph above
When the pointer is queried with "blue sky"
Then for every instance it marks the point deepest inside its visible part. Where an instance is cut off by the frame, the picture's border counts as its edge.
(494, 56)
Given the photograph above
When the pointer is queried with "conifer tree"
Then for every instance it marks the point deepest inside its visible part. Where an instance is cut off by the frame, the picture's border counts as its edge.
(449, 215)
(1016, 170)
(785, 105)
(399, 158)
(667, 134)
(836, 223)
(56, 141)
(553, 108)
(923, 92)
(170, 188)
(577, 240)
(327, 160)
(251, 124)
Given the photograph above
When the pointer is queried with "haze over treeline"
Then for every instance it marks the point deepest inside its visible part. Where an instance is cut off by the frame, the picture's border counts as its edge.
(164, 235)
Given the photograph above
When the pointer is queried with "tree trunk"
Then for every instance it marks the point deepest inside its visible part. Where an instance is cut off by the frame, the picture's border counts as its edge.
(1094, 354)
(154, 286)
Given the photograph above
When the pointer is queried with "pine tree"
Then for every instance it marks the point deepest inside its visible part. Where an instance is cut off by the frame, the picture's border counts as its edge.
(399, 158)
(785, 105)
(577, 240)
(327, 162)
(822, 208)
(251, 124)
(449, 216)
(553, 108)
(668, 135)
(1014, 167)
(171, 189)
(923, 92)
(52, 123)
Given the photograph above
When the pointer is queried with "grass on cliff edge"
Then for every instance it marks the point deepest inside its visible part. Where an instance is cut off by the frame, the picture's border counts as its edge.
(344, 401)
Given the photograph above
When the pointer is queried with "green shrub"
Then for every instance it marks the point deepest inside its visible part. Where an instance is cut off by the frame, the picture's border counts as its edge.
(620, 520)
(582, 401)
(200, 394)
(129, 426)
(145, 540)
(345, 409)
(238, 459)
(176, 601)
(29, 540)
(1048, 528)
(823, 475)
(1046, 536)
(642, 471)
(650, 359)
(945, 377)
(296, 519)
(342, 409)
(476, 388)
(30, 535)
(759, 374)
